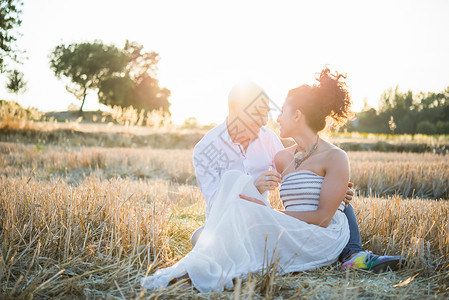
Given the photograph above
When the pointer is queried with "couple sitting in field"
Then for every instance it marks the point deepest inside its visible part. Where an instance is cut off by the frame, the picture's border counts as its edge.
(238, 162)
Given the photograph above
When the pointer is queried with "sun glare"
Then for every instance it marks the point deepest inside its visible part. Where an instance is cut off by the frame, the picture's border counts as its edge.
(205, 48)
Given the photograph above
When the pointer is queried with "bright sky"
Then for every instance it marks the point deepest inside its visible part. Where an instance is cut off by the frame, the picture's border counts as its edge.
(207, 46)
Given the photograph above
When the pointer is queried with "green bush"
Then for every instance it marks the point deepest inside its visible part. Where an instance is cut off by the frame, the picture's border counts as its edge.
(426, 127)
(443, 127)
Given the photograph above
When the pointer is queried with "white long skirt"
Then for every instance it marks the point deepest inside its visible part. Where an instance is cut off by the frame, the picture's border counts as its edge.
(241, 237)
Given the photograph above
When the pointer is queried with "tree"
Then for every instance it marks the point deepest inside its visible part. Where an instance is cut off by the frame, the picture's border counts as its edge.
(124, 77)
(16, 84)
(138, 87)
(140, 64)
(86, 65)
(148, 95)
(368, 120)
(9, 20)
(116, 91)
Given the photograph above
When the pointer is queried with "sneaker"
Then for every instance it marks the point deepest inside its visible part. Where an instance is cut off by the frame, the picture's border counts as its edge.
(366, 260)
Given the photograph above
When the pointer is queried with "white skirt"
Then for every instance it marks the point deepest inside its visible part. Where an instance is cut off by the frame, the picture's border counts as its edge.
(242, 237)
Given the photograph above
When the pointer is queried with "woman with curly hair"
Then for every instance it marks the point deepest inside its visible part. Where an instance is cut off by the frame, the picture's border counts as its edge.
(244, 234)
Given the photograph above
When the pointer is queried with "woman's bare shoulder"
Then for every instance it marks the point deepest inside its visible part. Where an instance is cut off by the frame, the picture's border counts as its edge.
(285, 153)
(282, 157)
(335, 156)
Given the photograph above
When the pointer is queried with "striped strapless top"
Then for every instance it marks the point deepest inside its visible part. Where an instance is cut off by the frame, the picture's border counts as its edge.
(300, 191)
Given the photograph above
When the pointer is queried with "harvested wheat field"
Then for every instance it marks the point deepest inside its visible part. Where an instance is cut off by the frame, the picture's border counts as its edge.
(100, 118)
(89, 222)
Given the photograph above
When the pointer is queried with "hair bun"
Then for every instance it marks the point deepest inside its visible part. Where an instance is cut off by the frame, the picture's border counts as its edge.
(333, 96)
(330, 98)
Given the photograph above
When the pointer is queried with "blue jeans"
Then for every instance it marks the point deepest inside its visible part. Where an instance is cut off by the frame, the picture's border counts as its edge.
(355, 242)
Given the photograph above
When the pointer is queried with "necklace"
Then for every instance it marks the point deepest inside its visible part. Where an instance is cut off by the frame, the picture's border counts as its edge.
(298, 161)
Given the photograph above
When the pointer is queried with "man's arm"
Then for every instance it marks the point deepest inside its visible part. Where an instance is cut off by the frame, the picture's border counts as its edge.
(208, 179)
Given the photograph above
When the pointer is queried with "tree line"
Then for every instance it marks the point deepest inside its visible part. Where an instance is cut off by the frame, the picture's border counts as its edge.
(405, 113)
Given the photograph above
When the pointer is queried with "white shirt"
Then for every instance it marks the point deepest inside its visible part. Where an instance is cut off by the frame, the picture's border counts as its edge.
(216, 153)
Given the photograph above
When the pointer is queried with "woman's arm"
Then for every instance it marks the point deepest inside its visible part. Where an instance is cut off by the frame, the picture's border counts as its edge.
(333, 190)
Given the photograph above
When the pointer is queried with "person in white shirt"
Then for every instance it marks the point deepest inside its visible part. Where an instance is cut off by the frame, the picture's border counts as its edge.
(242, 142)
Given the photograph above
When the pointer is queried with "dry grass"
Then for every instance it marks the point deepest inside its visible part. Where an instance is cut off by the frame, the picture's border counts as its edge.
(99, 238)
(90, 236)
(13, 114)
(74, 164)
(411, 175)
(358, 137)
(417, 229)
(101, 135)
(130, 116)
(406, 174)
(82, 223)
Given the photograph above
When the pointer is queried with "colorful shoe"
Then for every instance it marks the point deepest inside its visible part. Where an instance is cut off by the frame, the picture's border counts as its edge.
(366, 260)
